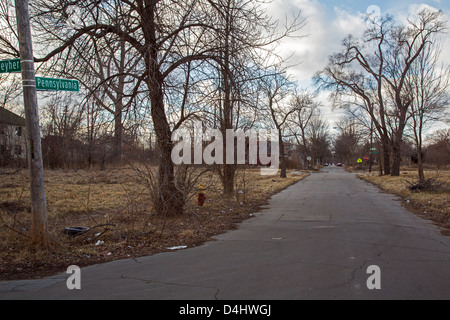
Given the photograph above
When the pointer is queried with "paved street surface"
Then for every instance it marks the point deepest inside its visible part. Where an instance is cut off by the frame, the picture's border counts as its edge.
(315, 240)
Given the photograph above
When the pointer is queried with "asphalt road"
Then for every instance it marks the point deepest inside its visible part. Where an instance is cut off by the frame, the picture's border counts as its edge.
(315, 240)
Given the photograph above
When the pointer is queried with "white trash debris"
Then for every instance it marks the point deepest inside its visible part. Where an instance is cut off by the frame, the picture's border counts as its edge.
(177, 247)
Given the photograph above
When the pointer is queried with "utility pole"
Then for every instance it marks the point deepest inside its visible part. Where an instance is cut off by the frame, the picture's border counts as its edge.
(37, 189)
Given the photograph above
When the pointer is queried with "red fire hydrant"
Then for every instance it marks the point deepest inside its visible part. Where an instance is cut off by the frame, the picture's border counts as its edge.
(201, 195)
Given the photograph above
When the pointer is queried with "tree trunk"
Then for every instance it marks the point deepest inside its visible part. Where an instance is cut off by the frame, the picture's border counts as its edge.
(305, 150)
(396, 145)
(169, 201)
(386, 155)
(418, 141)
(119, 108)
(118, 130)
(282, 158)
(380, 161)
(229, 172)
(396, 159)
(420, 172)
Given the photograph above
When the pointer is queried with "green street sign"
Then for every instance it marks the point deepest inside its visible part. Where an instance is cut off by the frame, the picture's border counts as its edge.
(43, 84)
(53, 84)
(8, 66)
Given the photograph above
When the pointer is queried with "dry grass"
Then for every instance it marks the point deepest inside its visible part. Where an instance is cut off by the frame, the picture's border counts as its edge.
(118, 211)
(434, 205)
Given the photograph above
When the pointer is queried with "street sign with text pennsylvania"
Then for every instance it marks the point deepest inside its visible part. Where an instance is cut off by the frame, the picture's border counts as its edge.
(52, 84)
(7, 66)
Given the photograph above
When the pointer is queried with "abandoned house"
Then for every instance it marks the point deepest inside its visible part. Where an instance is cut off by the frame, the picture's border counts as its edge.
(12, 137)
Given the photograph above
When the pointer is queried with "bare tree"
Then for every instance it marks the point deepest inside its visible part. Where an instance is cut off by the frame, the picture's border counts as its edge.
(9, 89)
(165, 36)
(410, 42)
(428, 82)
(61, 131)
(305, 108)
(378, 80)
(319, 139)
(9, 39)
(157, 32)
(347, 142)
(358, 91)
(246, 40)
(276, 89)
(438, 150)
(10, 84)
(107, 72)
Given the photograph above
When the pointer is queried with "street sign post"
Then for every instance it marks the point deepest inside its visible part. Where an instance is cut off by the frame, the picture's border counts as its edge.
(8, 66)
(53, 84)
(30, 85)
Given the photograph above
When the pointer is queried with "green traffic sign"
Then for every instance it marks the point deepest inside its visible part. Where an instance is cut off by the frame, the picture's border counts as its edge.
(7, 66)
(53, 84)
(359, 160)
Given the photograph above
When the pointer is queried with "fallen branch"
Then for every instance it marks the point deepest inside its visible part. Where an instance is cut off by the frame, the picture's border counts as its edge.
(429, 184)
(103, 225)
(9, 173)
(6, 225)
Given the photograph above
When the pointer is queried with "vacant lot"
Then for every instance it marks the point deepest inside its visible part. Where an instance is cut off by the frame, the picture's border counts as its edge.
(114, 204)
(432, 204)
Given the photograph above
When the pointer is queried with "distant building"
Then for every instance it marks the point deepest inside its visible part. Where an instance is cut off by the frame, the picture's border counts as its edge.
(12, 137)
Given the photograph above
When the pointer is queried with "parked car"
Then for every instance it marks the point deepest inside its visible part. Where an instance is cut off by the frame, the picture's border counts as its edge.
(339, 164)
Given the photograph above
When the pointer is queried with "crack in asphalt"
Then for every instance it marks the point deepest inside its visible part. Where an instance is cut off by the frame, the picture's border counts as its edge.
(31, 284)
(172, 284)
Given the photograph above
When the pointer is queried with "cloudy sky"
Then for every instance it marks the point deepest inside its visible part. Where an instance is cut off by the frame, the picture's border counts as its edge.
(329, 21)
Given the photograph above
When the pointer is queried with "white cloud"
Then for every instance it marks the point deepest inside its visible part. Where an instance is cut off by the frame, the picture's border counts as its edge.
(443, 38)
(325, 29)
(416, 8)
